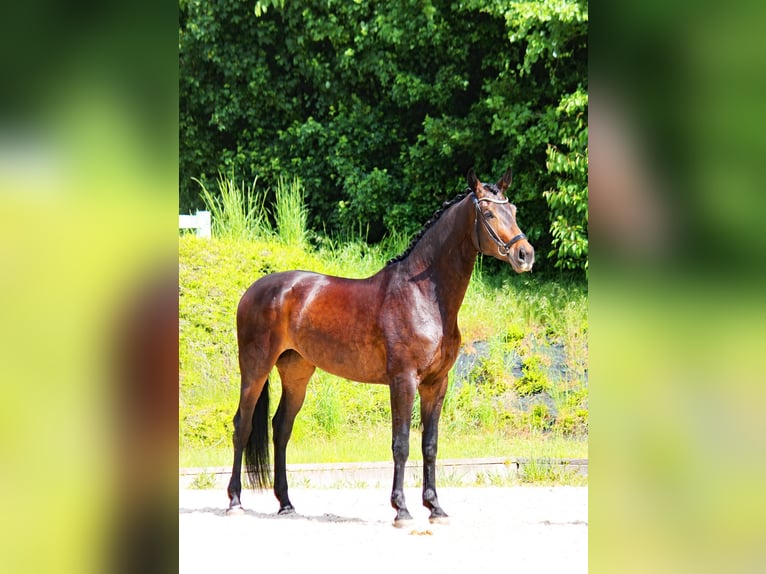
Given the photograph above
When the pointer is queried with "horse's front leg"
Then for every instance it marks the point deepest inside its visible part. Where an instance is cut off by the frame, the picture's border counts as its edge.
(402, 397)
(431, 400)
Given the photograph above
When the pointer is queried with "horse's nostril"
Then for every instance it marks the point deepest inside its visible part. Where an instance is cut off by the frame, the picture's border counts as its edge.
(522, 254)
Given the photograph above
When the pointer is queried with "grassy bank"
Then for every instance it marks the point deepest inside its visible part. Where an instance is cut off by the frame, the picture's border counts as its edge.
(345, 421)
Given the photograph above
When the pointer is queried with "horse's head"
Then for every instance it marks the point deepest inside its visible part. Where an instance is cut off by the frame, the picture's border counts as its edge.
(496, 232)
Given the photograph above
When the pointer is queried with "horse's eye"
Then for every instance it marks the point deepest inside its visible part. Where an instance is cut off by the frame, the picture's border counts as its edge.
(489, 215)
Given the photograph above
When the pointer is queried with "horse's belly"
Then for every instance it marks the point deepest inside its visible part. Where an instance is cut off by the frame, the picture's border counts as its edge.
(348, 359)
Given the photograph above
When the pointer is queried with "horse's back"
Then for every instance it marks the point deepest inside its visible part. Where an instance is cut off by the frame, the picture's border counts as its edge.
(274, 293)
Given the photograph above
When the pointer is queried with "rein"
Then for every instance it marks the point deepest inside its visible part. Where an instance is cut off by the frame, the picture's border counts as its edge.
(502, 248)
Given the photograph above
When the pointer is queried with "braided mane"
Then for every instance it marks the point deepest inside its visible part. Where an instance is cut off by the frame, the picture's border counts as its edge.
(428, 224)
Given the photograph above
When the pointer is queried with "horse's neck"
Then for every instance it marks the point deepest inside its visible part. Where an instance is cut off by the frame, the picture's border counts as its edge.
(445, 256)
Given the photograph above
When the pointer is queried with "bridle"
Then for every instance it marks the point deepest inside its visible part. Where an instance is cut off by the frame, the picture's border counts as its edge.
(502, 248)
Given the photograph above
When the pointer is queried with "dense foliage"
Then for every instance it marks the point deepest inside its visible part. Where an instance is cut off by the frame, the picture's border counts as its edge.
(381, 107)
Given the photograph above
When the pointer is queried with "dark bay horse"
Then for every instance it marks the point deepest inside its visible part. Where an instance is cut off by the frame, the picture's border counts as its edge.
(397, 328)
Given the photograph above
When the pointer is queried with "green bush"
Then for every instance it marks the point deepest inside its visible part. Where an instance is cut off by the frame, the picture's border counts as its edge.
(381, 107)
(534, 379)
(572, 419)
(568, 201)
(491, 374)
(539, 418)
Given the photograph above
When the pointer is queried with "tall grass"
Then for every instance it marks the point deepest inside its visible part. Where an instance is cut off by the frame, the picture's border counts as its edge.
(240, 213)
(236, 212)
(290, 212)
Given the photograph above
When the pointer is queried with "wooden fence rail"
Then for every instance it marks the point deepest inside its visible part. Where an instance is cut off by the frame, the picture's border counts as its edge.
(199, 221)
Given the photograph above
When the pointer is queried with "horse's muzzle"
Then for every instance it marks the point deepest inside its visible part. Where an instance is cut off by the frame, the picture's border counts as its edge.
(522, 257)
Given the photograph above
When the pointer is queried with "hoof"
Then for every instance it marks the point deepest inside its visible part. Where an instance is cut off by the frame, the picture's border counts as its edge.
(403, 522)
(439, 519)
(403, 518)
(235, 511)
(286, 510)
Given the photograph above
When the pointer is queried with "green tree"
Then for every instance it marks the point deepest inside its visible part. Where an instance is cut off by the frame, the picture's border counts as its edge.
(381, 107)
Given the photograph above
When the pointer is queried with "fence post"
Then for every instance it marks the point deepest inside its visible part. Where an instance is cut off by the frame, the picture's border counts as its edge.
(200, 221)
(203, 224)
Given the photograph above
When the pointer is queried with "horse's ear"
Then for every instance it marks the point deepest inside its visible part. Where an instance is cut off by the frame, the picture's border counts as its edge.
(505, 181)
(472, 180)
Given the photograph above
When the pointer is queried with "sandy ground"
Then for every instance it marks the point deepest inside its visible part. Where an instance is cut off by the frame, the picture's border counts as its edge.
(518, 529)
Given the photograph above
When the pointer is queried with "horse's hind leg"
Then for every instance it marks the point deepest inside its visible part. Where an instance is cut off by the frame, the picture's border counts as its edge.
(243, 426)
(294, 372)
(431, 400)
(253, 408)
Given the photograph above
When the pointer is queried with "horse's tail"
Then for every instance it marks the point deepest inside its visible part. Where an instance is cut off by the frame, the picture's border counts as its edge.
(257, 448)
